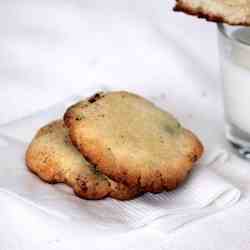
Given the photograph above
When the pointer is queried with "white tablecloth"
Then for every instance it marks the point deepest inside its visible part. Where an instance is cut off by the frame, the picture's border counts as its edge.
(50, 50)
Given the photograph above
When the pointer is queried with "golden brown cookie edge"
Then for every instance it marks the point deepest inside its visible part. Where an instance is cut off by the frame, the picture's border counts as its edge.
(209, 16)
(50, 175)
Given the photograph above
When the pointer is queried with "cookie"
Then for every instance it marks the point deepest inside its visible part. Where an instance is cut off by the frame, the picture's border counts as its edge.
(54, 159)
(132, 141)
(234, 12)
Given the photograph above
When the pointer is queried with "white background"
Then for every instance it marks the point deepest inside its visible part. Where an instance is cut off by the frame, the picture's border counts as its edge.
(50, 50)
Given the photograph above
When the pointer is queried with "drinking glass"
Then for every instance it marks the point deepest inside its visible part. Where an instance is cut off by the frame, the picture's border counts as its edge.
(234, 50)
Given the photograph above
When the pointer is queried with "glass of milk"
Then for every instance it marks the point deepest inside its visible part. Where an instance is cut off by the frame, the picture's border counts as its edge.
(234, 46)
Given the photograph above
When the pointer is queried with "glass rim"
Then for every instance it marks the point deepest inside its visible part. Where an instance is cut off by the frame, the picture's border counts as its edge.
(223, 32)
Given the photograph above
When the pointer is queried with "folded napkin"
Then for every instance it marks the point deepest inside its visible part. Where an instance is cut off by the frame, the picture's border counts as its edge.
(203, 192)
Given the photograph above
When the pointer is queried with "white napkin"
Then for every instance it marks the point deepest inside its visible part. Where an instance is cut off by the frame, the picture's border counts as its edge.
(204, 191)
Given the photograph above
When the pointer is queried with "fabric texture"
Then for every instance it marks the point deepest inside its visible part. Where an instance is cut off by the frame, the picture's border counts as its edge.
(52, 50)
(202, 194)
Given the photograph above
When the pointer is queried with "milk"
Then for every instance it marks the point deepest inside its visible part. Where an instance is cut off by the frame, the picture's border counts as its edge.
(236, 78)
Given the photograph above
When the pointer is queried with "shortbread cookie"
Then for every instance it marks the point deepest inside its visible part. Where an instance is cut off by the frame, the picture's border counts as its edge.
(54, 159)
(235, 12)
(132, 141)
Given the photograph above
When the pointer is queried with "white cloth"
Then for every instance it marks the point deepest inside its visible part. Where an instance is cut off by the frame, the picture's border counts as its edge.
(203, 193)
(51, 50)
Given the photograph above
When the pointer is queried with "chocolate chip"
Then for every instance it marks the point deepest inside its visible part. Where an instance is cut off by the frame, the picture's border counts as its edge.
(95, 97)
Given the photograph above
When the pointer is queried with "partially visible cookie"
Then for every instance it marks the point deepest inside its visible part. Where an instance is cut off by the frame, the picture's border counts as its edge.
(234, 12)
(54, 159)
(132, 141)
